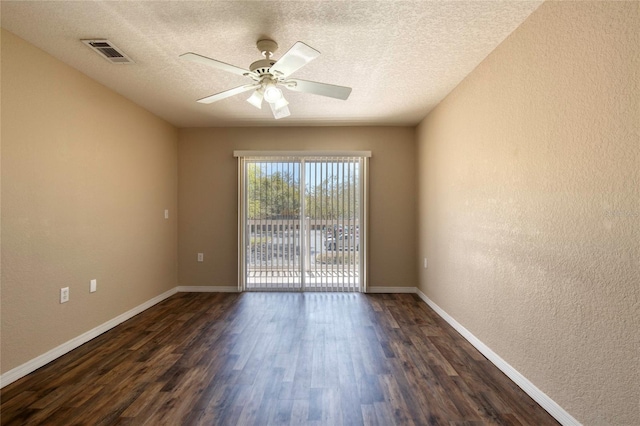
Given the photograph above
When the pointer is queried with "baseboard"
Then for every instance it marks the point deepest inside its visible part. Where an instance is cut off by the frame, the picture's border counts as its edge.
(207, 289)
(30, 366)
(391, 290)
(540, 397)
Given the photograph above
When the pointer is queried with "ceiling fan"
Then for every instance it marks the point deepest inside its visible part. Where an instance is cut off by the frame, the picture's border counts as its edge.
(268, 74)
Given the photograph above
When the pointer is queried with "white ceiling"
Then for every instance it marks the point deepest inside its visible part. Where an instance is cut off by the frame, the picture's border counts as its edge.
(400, 57)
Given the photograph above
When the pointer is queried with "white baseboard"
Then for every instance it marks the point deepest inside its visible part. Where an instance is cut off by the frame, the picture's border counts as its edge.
(207, 289)
(391, 290)
(30, 366)
(540, 397)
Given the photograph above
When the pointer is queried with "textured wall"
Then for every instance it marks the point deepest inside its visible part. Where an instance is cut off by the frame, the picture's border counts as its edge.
(529, 205)
(208, 196)
(86, 176)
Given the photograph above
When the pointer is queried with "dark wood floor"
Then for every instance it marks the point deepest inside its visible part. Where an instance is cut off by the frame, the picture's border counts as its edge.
(274, 358)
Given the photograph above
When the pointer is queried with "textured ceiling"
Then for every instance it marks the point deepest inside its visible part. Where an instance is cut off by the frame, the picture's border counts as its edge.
(400, 57)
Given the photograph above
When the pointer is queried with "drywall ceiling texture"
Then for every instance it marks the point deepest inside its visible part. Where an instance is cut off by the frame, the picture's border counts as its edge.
(529, 206)
(208, 199)
(86, 176)
(400, 57)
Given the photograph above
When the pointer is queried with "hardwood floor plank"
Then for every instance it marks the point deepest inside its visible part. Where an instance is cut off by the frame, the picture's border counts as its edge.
(299, 412)
(395, 400)
(315, 404)
(282, 412)
(15, 407)
(370, 390)
(368, 415)
(143, 400)
(274, 359)
(384, 414)
(349, 398)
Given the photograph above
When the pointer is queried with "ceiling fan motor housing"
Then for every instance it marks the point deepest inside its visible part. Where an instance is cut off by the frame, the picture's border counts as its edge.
(262, 66)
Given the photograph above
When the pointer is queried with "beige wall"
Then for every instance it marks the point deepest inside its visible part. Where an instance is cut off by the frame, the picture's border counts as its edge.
(86, 176)
(208, 196)
(529, 206)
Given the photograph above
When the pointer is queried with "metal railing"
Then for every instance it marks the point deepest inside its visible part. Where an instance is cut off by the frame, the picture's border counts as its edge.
(275, 253)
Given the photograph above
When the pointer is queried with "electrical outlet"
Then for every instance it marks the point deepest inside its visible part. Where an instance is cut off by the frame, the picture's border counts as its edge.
(200, 257)
(93, 286)
(64, 295)
(425, 263)
(166, 213)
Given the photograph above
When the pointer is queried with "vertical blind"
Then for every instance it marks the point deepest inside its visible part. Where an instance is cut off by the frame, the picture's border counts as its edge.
(302, 221)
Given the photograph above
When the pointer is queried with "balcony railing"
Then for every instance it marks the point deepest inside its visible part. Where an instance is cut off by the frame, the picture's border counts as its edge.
(325, 255)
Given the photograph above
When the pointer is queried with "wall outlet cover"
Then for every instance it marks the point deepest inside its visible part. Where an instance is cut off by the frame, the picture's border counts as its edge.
(64, 295)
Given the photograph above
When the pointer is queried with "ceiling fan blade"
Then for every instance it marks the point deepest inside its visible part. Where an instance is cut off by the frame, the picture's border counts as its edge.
(194, 57)
(322, 89)
(298, 56)
(228, 93)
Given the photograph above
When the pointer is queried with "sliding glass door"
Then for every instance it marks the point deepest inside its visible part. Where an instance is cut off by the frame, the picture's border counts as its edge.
(301, 222)
(272, 228)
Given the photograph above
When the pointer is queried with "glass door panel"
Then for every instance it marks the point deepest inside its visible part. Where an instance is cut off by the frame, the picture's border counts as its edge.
(302, 222)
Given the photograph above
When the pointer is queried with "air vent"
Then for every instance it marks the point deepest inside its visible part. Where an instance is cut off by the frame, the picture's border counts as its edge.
(108, 51)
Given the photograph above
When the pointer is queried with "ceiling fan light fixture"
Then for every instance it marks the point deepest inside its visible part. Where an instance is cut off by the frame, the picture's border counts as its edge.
(256, 98)
(281, 103)
(279, 112)
(272, 94)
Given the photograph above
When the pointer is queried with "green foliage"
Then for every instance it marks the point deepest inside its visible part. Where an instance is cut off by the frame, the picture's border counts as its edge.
(333, 199)
(276, 195)
(271, 196)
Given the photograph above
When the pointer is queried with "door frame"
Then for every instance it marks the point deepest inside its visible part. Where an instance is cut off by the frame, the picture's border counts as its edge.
(301, 156)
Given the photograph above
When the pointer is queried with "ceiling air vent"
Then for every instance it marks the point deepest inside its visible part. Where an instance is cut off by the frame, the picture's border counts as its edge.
(108, 51)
